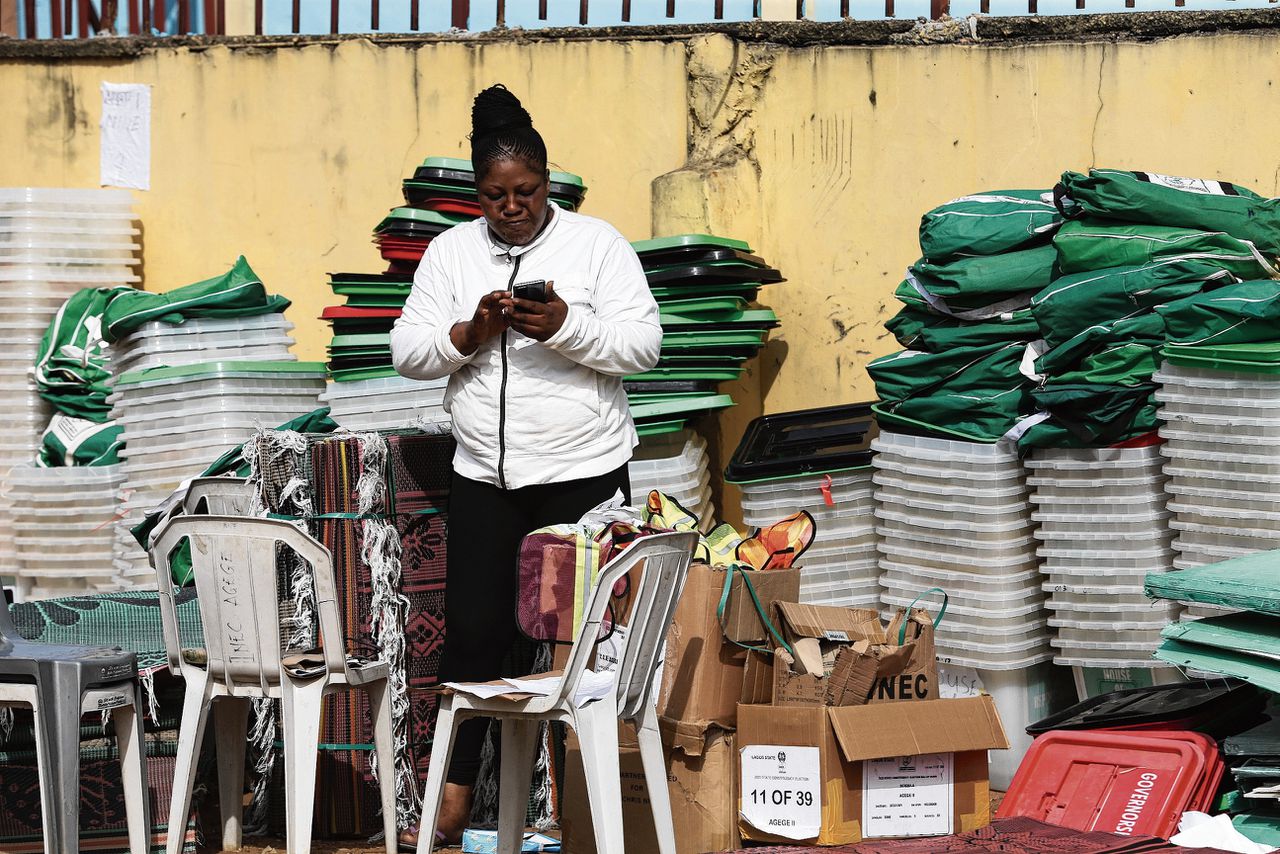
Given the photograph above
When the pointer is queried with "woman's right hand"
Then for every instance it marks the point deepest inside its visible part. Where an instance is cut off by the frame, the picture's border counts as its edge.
(488, 321)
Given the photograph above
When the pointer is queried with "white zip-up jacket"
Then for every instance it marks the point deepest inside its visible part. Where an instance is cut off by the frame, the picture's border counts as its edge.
(527, 412)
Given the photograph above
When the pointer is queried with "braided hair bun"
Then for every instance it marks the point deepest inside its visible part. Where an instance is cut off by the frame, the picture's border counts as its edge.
(501, 129)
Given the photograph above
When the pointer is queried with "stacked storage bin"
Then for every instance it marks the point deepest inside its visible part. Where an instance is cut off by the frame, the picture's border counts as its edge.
(263, 337)
(678, 465)
(817, 460)
(52, 243)
(1223, 435)
(1103, 528)
(387, 403)
(957, 515)
(64, 531)
(177, 420)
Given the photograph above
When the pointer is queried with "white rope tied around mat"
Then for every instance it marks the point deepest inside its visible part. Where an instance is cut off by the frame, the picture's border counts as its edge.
(389, 608)
(6, 724)
(263, 739)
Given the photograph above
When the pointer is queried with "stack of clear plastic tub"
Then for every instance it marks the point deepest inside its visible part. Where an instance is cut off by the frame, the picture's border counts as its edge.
(64, 521)
(53, 242)
(263, 337)
(819, 461)
(676, 464)
(387, 402)
(956, 515)
(178, 420)
(1221, 408)
(1103, 528)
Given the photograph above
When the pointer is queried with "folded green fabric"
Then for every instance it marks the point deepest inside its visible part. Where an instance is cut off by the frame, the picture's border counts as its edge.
(988, 223)
(1246, 583)
(971, 282)
(1147, 197)
(71, 441)
(237, 293)
(71, 369)
(1091, 414)
(918, 329)
(1096, 244)
(1073, 303)
(1242, 313)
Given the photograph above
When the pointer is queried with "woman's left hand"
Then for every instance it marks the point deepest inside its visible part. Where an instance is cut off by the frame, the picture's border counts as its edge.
(537, 320)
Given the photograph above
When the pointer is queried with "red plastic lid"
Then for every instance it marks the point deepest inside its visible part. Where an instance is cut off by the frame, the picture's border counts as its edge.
(1215, 768)
(446, 205)
(1146, 440)
(1109, 781)
(346, 312)
(397, 254)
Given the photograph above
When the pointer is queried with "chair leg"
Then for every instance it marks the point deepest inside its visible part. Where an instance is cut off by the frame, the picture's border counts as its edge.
(519, 751)
(195, 714)
(655, 777)
(62, 697)
(132, 747)
(302, 704)
(46, 767)
(433, 792)
(384, 744)
(597, 727)
(231, 728)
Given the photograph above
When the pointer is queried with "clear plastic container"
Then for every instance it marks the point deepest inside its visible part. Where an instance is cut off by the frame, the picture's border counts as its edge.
(1072, 648)
(1211, 439)
(787, 505)
(827, 580)
(1011, 662)
(1102, 587)
(958, 512)
(808, 488)
(959, 470)
(927, 447)
(1142, 504)
(1016, 560)
(960, 583)
(965, 600)
(1085, 608)
(825, 544)
(301, 399)
(273, 352)
(847, 514)
(965, 491)
(907, 520)
(1091, 460)
(998, 544)
(1079, 579)
(1206, 511)
(842, 598)
(1001, 617)
(1145, 534)
(1118, 558)
(1099, 481)
(1199, 425)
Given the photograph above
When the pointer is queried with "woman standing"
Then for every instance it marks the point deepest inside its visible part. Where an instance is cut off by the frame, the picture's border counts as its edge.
(535, 388)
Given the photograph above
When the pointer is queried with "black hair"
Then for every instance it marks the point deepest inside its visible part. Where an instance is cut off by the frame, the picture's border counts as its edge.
(501, 129)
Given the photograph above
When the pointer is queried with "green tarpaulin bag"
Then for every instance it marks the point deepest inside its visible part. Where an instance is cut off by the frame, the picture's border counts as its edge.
(1144, 330)
(911, 293)
(1147, 197)
(1073, 303)
(976, 390)
(71, 441)
(71, 369)
(1238, 314)
(989, 223)
(1094, 244)
(1089, 415)
(916, 329)
(969, 283)
(236, 293)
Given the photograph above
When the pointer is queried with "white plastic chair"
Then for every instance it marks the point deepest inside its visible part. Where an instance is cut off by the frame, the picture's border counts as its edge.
(666, 559)
(221, 496)
(234, 564)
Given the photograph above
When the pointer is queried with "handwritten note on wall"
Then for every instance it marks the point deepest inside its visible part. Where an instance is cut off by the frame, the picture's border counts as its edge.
(126, 135)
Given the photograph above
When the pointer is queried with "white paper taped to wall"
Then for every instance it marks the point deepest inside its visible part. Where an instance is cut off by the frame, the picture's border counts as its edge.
(126, 136)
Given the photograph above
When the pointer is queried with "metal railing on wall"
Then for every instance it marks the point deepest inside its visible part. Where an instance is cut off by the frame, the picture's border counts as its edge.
(84, 18)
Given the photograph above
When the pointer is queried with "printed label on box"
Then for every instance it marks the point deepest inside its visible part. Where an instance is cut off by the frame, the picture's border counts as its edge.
(781, 790)
(907, 796)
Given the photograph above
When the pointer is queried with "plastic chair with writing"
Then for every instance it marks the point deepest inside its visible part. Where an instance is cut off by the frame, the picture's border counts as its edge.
(61, 683)
(220, 496)
(666, 559)
(234, 564)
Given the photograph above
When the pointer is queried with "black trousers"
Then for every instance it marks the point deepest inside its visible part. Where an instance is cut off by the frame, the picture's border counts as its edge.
(486, 525)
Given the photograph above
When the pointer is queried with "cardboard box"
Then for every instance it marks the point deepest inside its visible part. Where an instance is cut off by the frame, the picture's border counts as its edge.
(821, 789)
(702, 784)
(742, 623)
(701, 672)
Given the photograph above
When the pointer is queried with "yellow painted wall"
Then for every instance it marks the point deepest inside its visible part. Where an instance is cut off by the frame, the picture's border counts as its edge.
(291, 156)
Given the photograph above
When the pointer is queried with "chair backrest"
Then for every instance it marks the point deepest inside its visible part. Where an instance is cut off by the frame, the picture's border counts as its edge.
(666, 559)
(218, 496)
(233, 560)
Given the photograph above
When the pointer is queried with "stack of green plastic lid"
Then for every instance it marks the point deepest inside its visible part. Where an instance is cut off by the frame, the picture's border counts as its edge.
(445, 178)
(1254, 358)
(704, 286)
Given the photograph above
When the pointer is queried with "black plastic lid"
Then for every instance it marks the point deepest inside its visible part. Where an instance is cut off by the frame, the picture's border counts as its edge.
(1155, 704)
(808, 441)
(698, 255)
(703, 274)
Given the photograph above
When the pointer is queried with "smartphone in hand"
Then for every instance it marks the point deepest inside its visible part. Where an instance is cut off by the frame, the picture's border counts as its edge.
(535, 291)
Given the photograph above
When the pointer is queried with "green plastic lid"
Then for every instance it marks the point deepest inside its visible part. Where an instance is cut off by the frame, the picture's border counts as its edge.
(680, 241)
(671, 292)
(687, 375)
(347, 375)
(714, 338)
(218, 370)
(750, 317)
(415, 215)
(685, 405)
(661, 428)
(884, 418)
(1262, 357)
(368, 339)
(461, 165)
(700, 305)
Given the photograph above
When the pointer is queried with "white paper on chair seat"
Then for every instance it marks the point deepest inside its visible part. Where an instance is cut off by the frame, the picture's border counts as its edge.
(593, 686)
